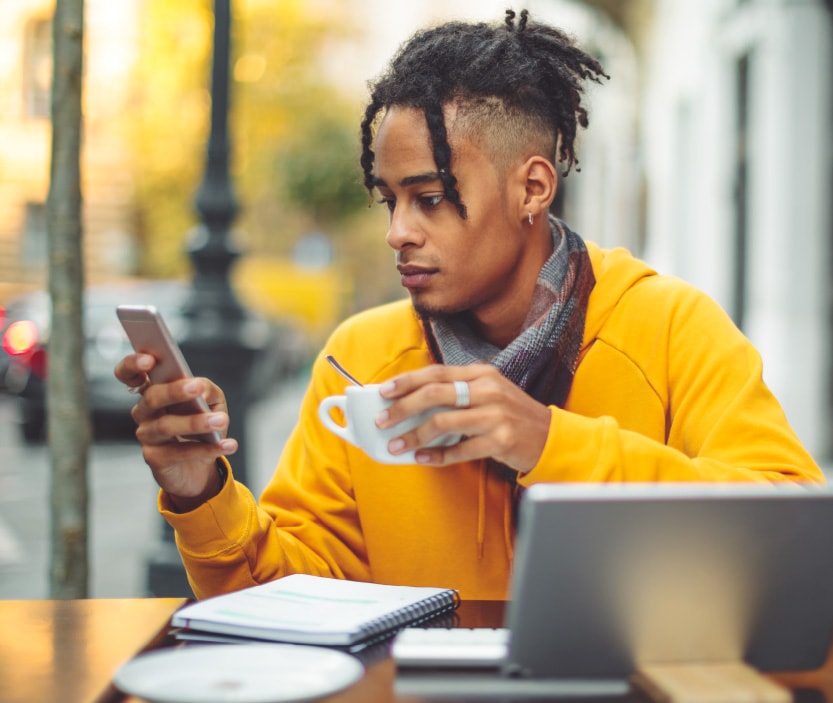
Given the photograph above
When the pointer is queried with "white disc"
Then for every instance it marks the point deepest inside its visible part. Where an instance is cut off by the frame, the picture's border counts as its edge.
(244, 673)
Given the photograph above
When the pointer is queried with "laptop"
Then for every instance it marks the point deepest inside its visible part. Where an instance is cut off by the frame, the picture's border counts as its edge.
(611, 576)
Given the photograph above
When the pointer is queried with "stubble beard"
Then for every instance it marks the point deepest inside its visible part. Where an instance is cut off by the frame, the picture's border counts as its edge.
(425, 310)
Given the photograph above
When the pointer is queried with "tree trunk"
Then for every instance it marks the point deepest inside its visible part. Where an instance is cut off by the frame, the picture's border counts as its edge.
(67, 408)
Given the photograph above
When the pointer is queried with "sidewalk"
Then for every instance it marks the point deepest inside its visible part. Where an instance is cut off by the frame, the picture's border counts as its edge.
(124, 523)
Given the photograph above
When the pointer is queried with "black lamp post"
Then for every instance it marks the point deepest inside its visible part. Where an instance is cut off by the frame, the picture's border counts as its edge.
(222, 338)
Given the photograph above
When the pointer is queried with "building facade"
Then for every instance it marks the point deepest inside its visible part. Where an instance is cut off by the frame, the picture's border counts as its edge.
(25, 141)
(737, 140)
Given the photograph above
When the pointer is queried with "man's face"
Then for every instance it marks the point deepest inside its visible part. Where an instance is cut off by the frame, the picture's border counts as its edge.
(449, 264)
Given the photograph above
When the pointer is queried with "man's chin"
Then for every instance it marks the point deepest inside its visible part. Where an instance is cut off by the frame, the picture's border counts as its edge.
(428, 309)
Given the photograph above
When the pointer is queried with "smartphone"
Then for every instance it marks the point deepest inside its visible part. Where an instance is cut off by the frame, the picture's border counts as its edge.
(148, 333)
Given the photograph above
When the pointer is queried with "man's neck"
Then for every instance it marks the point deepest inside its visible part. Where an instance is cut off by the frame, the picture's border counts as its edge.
(500, 325)
(501, 332)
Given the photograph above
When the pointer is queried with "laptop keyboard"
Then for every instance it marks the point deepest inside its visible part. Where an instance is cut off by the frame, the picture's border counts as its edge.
(450, 647)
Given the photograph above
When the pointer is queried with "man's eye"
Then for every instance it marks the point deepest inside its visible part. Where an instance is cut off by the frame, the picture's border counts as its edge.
(430, 201)
(389, 203)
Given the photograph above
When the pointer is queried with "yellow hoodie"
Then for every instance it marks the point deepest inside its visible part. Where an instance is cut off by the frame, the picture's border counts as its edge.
(667, 389)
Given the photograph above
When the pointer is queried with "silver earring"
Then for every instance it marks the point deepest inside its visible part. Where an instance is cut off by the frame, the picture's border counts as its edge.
(530, 217)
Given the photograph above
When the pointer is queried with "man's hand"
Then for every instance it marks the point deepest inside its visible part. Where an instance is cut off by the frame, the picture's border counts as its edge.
(501, 421)
(185, 469)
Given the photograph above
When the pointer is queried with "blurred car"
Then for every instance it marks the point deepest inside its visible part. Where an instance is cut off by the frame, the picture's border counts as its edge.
(4, 358)
(23, 316)
(282, 349)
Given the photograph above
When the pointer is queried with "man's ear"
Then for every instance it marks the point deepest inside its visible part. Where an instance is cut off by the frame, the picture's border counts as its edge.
(540, 184)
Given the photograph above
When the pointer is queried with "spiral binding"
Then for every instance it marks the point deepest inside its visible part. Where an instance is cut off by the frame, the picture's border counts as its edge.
(411, 615)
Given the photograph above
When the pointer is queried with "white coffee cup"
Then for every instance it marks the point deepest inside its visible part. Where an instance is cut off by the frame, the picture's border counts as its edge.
(361, 405)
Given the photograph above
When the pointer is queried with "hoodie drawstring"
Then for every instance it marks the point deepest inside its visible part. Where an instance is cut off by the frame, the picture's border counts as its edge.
(508, 509)
(481, 510)
(508, 504)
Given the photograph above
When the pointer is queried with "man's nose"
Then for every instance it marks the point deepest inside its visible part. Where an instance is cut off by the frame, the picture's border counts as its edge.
(402, 231)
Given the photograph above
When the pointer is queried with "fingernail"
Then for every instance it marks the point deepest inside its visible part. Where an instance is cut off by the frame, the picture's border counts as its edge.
(382, 418)
(144, 362)
(422, 458)
(192, 387)
(228, 446)
(216, 420)
(396, 445)
(387, 387)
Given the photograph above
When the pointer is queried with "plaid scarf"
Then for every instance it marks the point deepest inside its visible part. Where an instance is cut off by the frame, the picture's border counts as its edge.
(542, 359)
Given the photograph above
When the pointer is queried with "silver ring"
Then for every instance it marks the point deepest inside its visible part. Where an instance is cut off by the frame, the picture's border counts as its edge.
(138, 390)
(463, 399)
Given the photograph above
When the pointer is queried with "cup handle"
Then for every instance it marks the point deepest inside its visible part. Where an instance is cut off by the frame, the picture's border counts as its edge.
(335, 401)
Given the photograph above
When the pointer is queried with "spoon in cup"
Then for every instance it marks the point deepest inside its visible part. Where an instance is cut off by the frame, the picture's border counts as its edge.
(338, 367)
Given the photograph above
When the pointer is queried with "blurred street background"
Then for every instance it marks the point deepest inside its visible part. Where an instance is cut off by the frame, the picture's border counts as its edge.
(709, 154)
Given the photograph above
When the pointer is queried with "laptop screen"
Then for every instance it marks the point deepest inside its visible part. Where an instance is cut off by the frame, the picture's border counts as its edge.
(610, 576)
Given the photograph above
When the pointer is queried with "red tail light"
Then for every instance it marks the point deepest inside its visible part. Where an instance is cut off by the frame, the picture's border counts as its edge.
(37, 362)
(20, 338)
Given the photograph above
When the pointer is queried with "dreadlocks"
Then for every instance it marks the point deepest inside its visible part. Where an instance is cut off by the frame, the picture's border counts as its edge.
(514, 88)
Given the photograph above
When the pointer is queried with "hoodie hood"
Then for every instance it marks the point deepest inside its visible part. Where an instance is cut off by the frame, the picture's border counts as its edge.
(616, 271)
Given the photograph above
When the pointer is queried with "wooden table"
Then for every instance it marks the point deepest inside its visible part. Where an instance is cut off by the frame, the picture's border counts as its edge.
(67, 651)
(53, 650)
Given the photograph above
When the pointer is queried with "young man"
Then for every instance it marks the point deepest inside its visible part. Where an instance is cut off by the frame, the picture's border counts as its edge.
(561, 361)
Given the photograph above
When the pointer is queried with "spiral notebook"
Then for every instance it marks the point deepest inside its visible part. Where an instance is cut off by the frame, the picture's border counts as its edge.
(306, 609)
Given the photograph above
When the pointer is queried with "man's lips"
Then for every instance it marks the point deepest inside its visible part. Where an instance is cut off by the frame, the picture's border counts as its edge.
(415, 276)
